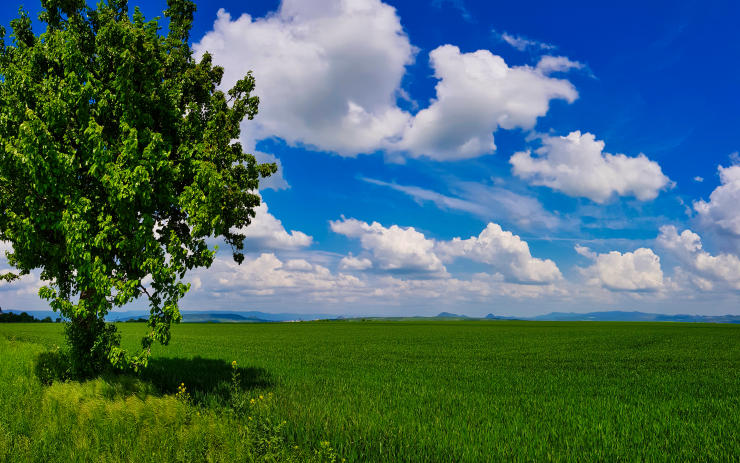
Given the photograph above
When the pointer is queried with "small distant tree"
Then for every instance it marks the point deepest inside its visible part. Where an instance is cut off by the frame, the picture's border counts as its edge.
(117, 161)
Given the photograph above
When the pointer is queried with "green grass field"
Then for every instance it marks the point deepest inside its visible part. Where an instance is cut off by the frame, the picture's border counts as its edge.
(392, 391)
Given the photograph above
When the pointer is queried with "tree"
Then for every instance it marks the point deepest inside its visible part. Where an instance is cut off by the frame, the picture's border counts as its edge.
(117, 162)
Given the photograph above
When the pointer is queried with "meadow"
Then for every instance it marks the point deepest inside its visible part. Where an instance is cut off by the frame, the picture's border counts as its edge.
(387, 391)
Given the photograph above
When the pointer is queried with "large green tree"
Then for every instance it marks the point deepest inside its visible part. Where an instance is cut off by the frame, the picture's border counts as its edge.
(117, 162)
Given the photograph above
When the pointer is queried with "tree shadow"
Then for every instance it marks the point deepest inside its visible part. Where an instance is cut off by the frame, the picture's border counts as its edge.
(206, 380)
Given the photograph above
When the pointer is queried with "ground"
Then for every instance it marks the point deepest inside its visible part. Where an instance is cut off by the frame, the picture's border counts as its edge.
(391, 391)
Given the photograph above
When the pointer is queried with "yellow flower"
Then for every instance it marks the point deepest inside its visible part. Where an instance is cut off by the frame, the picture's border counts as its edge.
(251, 401)
(262, 397)
(233, 364)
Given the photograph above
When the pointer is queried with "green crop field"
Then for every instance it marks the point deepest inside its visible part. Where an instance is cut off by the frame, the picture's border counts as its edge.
(389, 391)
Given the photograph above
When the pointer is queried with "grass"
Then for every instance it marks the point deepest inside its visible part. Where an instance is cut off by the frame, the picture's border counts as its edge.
(414, 391)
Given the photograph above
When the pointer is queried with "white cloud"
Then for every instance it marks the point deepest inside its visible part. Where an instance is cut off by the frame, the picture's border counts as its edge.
(480, 287)
(505, 252)
(275, 181)
(698, 179)
(355, 263)
(299, 265)
(264, 275)
(705, 269)
(632, 271)
(721, 213)
(478, 93)
(504, 204)
(267, 233)
(393, 248)
(327, 72)
(267, 279)
(407, 251)
(578, 166)
(21, 293)
(484, 201)
(5, 246)
(522, 43)
(549, 64)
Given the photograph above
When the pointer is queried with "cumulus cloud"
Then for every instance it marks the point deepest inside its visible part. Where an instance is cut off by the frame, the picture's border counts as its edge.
(265, 274)
(479, 287)
(632, 271)
(705, 270)
(328, 72)
(721, 213)
(393, 248)
(355, 263)
(478, 93)
(329, 75)
(505, 252)
(268, 279)
(408, 251)
(268, 233)
(577, 165)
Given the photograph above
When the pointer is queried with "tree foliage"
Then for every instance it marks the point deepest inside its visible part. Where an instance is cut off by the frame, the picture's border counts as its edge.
(117, 162)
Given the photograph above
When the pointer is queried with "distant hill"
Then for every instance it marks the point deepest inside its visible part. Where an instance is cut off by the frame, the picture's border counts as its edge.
(620, 316)
(217, 317)
(450, 315)
(491, 316)
(225, 317)
(260, 317)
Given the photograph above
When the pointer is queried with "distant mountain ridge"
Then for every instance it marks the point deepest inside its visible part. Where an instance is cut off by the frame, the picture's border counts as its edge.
(617, 315)
(228, 317)
(262, 317)
(611, 316)
(450, 315)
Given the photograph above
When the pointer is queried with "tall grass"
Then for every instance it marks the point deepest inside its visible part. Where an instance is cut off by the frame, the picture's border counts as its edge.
(121, 418)
(460, 391)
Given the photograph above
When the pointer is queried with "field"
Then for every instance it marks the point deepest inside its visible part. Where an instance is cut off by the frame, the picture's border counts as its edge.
(390, 391)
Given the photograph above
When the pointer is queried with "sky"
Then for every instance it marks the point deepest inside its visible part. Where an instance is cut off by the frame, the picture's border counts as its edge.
(514, 158)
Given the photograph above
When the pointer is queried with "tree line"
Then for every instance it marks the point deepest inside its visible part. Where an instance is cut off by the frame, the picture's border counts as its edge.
(23, 317)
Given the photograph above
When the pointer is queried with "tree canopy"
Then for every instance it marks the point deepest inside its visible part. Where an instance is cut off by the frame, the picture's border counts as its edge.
(117, 161)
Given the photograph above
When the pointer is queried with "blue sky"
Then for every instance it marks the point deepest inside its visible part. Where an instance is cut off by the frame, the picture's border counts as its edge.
(478, 157)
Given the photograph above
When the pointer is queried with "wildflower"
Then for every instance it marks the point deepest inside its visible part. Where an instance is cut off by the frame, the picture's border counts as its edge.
(233, 364)
(261, 397)
(252, 401)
